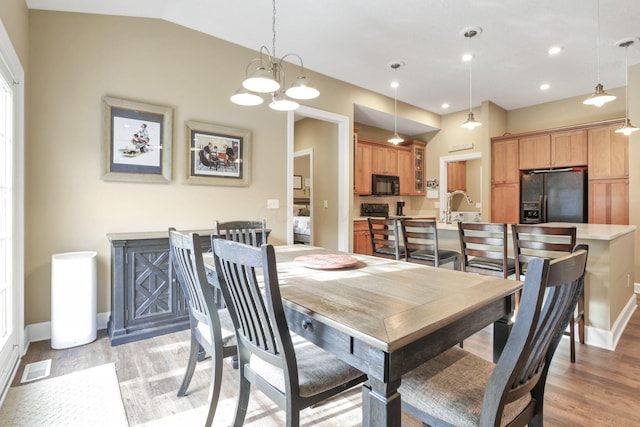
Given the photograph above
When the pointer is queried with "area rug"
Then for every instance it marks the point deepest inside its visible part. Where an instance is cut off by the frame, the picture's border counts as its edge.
(85, 398)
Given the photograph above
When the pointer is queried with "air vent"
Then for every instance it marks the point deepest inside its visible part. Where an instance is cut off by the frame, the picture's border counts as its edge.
(35, 371)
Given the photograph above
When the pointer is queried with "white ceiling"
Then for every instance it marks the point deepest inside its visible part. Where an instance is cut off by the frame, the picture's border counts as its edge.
(355, 41)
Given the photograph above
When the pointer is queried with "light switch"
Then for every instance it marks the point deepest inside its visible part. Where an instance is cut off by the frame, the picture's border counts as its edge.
(273, 204)
(326, 204)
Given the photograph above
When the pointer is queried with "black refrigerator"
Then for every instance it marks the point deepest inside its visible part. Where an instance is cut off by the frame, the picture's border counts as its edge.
(550, 196)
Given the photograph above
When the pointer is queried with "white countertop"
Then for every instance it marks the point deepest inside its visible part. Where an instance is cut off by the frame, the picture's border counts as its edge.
(583, 231)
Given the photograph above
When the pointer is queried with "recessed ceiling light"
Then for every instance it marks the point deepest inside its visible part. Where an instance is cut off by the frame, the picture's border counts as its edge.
(394, 84)
(467, 57)
(554, 50)
(545, 86)
(445, 105)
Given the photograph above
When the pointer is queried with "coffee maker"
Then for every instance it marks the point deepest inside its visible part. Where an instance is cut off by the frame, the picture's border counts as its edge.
(399, 208)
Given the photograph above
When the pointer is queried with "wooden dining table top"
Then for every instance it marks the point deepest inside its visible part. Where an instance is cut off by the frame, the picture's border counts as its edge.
(385, 303)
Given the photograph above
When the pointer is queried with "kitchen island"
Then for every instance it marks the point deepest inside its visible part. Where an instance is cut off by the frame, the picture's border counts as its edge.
(609, 283)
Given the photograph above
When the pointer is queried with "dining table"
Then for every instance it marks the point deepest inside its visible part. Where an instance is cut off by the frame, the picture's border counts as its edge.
(385, 317)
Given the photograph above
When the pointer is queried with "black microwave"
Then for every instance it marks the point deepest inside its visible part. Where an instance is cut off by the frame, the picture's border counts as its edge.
(385, 185)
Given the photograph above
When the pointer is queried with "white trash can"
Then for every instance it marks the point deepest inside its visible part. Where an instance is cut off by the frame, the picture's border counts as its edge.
(73, 299)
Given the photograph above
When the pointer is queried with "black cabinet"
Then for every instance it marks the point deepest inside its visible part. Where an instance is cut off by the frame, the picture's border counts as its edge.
(146, 298)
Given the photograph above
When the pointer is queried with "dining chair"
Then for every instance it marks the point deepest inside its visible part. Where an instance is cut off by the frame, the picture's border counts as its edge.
(483, 249)
(252, 233)
(420, 238)
(458, 388)
(385, 238)
(211, 328)
(550, 242)
(291, 371)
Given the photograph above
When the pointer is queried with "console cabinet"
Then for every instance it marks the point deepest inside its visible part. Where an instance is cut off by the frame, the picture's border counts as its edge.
(361, 238)
(146, 298)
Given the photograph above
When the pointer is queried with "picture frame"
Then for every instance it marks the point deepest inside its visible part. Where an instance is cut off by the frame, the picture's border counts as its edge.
(218, 155)
(136, 141)
(297, 182)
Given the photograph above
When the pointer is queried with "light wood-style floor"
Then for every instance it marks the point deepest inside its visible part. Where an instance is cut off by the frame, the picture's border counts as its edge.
(600, 389)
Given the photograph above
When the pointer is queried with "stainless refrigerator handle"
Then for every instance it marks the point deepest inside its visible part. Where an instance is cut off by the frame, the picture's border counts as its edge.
(544, 208)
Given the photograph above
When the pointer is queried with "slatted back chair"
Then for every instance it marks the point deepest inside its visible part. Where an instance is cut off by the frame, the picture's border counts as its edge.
(483, 247)
(444, 391)
(211, 328)
(420, 238)
(385, 238)
(291, 371)
(252, 233)
(550, 242)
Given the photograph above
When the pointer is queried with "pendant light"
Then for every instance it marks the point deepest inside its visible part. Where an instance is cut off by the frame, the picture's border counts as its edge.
(268, 76)
(599, 97)
(395, 139)
(627, 128)
(471, 122)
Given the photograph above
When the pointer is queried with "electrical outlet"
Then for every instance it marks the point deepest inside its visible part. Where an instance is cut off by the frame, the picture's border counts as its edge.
(273, 204)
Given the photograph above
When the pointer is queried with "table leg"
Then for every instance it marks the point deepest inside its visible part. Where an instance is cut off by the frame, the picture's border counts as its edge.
(381, 405)
(501, 331)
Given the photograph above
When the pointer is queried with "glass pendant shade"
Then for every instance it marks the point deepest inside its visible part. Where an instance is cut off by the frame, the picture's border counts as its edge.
(261, 81)
(471, 122)
(280, 102)
(627, 129)
(302, 89)
(245, 97)
(599, 97)
(395, 139)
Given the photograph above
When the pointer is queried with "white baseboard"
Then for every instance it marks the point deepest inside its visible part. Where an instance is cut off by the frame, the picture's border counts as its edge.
(609, 339)
(42, 331)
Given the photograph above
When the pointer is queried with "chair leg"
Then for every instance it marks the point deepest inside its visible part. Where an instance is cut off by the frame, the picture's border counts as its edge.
(243, 391)
(214, 387)
(572, 342)
(581, 318)
(191, 366)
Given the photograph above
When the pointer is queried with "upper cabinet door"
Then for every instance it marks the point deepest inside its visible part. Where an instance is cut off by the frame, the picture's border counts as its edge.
(384, 160)
(362, 169)
(504, 161)
(569, 148)
(608, 153)
(535, 152)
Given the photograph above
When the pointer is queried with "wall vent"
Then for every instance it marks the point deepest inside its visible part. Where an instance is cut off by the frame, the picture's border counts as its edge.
(35, 371)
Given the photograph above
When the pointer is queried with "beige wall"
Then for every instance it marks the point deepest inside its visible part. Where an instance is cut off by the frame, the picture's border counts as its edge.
(162, 63)
(15, 16)
(154, 62)
(322, 137)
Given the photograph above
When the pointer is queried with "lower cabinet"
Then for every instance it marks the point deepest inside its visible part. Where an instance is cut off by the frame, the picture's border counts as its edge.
(146, 298)
(505, 203)
(361, 238)
(609, 201)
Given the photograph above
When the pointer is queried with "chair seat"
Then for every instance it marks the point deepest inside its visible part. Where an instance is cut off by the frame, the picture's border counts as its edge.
(318, 370)
(390, 251)
(492, 264)
(451, 388)
(226, 327)
(427, 255)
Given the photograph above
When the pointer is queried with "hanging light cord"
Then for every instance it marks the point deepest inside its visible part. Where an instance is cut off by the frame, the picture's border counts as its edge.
(395, 109)
(273, 28)
(597, 42)
(470, 82)
(626, 78)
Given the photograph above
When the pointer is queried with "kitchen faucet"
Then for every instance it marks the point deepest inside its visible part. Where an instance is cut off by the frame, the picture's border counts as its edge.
(450, 197)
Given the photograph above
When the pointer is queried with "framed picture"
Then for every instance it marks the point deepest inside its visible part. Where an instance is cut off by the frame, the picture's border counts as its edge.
(136, 141)
(218, 155)
(297, 182)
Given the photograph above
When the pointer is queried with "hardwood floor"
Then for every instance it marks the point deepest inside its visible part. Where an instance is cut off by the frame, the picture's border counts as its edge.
(601, 388)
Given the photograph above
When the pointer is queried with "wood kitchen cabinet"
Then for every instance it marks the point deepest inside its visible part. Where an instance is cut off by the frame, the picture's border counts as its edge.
(362, 168)
(361, 238)
(384, 160)
(418, 157)
(553, 150)
(608, 153)
(456, 176)
(405, 172)
(504, 161)
(609, 201)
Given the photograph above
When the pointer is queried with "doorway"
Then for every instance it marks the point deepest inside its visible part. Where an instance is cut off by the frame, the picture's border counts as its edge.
(343, 193)
(303, 206)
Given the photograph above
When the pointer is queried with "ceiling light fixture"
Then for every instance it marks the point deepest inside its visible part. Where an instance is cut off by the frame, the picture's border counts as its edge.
(627, 128)
(269, 77)
(471, 122)
(395, 139)
(599, 97)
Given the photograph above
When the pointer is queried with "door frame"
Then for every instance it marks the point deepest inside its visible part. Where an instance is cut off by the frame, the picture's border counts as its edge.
(10, 67)
(343, 170)
(309, 154)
